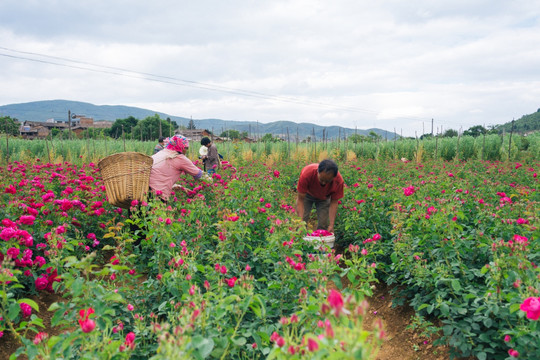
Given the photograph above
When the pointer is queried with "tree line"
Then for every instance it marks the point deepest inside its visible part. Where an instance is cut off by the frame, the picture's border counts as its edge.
(153, 127)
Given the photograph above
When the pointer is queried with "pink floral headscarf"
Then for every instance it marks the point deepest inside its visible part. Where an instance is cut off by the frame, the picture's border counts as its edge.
(177, 143)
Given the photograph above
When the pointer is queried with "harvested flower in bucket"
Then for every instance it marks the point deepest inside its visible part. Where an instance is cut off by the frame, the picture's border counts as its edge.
(321, 232)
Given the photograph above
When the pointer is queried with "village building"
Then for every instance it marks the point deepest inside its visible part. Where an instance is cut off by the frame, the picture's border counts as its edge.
(196, 135)
(41, 130)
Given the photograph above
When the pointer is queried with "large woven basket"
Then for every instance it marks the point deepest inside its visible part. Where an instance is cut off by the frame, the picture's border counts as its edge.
(126, 176)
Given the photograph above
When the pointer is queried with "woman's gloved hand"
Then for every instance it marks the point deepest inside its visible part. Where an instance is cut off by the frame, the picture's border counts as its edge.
(206, 178)
(180, 187)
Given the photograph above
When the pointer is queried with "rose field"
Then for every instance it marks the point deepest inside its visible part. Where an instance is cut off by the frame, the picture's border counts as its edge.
(225, 272)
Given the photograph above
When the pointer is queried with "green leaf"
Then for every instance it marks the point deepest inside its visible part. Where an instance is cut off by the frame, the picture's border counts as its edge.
(77, 287)
(54, 306)
(30, 302)
(114, 297)
(241, 341)
(53, 341)
(230, 299)
(14, 310)
(445, 310)
(257, 305)
(456, 285)
(394, 258)
(264, 336)
(448, 329)
(481, 355)
(203, 345)
(200, 268)
(514, 308)
(488, 322)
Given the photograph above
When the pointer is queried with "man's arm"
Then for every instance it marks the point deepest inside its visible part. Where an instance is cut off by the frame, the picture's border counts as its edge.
(332, 214)
(300, 204)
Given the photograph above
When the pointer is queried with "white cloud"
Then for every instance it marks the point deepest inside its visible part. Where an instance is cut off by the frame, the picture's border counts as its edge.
(351, 63)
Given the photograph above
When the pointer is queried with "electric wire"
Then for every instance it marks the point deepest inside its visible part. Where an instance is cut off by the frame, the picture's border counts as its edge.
(117, 71)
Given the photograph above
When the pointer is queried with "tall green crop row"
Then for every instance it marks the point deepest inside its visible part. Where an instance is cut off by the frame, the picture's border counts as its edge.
(489, 147)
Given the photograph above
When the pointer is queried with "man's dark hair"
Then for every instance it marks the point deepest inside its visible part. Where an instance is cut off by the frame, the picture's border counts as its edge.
(161, 139)
(205, 141)
(328, 166)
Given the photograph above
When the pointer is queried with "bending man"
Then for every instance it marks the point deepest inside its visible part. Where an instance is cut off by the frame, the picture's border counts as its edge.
(320, 185)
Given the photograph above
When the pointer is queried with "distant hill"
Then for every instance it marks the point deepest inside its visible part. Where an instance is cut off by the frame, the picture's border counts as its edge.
(58, 110)
(525, 124)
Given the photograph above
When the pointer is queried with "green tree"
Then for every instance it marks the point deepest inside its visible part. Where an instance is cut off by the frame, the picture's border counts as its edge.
(9, 126)
(126, 125)
(233, 134)
(426, 136)
(268, 138)
(93, 133)
(475, 131)
(356, 138)
(148, 128)
(374, 137)
(450, 133)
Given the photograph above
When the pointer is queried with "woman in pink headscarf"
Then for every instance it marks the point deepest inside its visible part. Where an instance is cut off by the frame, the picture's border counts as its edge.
(169, 164)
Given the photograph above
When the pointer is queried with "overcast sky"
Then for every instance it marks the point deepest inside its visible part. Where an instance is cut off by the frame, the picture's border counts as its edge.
(364, 64)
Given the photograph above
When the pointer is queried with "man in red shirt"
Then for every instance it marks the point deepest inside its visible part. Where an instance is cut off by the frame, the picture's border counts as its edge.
(320, 184)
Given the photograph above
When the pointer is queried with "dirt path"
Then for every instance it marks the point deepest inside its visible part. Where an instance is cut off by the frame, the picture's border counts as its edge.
(401, 343)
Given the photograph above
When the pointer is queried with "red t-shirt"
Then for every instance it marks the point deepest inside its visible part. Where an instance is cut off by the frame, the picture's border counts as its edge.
(309, 183)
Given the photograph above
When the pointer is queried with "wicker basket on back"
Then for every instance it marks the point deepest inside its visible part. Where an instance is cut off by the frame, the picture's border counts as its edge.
(126, 176)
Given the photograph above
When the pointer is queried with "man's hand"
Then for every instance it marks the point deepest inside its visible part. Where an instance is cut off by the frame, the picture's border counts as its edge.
(331, 229)
(300, 204)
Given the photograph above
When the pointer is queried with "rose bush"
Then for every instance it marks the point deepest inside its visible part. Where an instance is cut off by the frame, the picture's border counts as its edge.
(226, 273)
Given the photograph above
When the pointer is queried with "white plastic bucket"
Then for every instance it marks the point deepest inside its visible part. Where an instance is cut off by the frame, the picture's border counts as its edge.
(321, 241)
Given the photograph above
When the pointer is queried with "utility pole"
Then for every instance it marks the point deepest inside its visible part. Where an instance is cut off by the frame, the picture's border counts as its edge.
(510, 140)
(431, 126)
(69, 123)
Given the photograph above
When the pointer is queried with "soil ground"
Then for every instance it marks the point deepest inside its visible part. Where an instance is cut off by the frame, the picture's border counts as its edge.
(401, 343)
(9, 344)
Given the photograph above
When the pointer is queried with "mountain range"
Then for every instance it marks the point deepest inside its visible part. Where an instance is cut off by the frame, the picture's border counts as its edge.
(58, 110)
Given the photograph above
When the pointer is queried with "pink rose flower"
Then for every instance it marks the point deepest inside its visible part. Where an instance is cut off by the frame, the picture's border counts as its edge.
(313, 345)
(232, 281)
(87, 325)
(531, 306)
(26, 309)
(408, 191)
(513, 353)
(41, 282)
(335, 299)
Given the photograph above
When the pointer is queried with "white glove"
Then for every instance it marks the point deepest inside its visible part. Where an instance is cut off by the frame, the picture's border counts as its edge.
(207, 178)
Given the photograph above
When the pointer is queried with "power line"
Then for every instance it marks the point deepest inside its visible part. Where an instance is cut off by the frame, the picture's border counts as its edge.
(117, 71)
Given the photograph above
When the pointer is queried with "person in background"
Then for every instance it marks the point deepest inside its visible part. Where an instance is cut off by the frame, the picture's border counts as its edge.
(203, 154)
(320, 185)
(160, 145)
(212, 157)
(169, 165)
